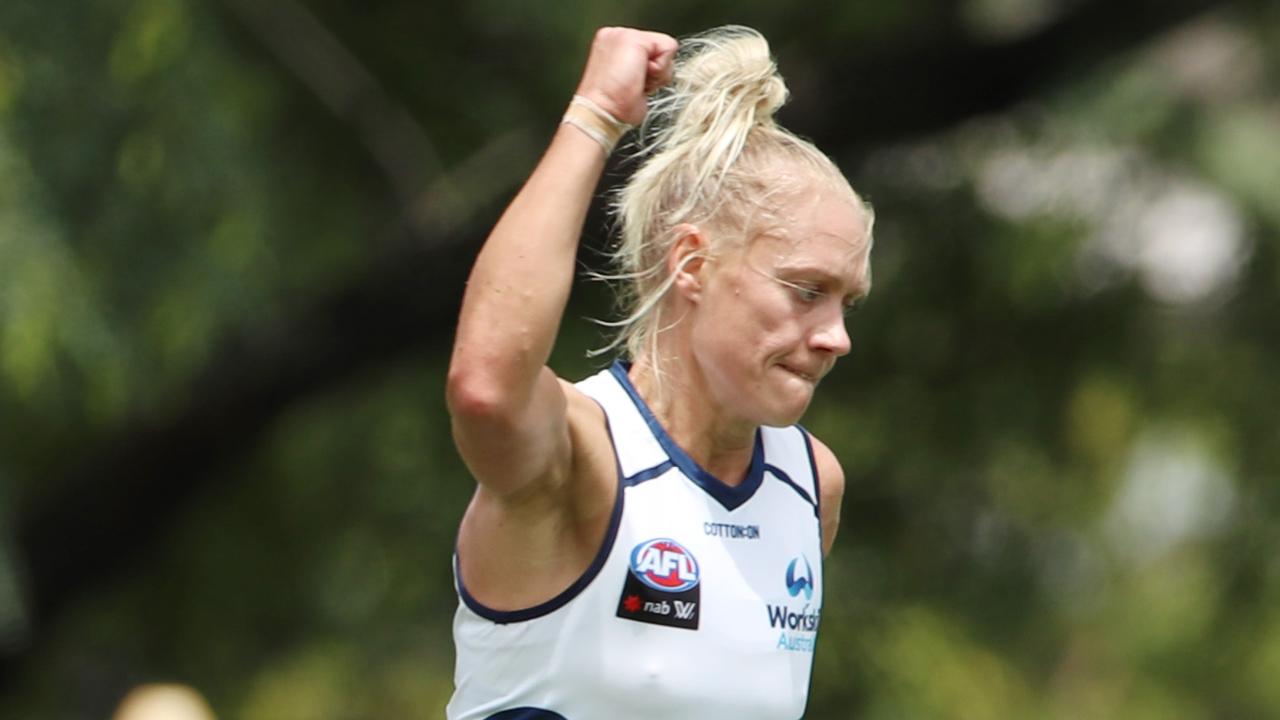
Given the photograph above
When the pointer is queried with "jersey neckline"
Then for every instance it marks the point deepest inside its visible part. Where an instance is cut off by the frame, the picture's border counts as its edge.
(730, 496)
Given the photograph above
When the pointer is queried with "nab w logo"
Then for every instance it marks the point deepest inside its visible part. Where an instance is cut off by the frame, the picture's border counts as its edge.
(684, 610)
(663, 585)
(664, 564)
(801, 583)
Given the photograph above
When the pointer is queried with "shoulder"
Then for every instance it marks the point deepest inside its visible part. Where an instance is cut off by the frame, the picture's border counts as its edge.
(830, 490)
(553, 528)
(830, 473)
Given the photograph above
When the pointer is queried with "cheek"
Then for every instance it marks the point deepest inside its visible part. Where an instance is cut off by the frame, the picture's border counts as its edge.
(738, 314)
(770, 314)
(751, 323)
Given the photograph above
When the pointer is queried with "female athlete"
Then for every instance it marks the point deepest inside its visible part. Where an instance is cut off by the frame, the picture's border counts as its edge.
(648, 542)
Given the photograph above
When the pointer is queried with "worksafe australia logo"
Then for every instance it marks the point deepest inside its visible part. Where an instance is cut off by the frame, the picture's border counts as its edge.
(798, 625)
(800, 578)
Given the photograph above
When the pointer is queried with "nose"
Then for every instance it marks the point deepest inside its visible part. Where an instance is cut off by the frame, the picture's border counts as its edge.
(832, 336)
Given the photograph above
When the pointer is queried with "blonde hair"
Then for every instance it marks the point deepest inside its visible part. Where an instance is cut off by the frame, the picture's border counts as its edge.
(710, 155)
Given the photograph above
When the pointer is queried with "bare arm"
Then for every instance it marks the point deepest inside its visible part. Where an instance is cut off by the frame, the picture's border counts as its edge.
(507, 407)
(831, 485)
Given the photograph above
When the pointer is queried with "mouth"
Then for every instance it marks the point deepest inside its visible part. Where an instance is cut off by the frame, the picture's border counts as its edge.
(811, 378)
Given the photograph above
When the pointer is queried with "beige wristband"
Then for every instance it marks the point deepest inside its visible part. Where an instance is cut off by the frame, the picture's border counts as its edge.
(595, 122)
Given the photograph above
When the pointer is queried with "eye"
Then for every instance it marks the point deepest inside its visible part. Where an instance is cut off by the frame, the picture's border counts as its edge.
(852, 305)
(806, 293)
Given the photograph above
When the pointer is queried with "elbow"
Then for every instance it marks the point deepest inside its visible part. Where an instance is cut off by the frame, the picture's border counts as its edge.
(468, 394)
(476, 396)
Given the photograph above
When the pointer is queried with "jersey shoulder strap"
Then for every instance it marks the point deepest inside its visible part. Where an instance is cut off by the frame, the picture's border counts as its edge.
(788, 453)
(633, 440)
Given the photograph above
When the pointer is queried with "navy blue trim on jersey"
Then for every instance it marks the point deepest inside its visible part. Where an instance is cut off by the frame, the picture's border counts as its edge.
(504, 617)
(730, 496)
(786, 479)
(813, 468)
(526, 713)
(648, 473)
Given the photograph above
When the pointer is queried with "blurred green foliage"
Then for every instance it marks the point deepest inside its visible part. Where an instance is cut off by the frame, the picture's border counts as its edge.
(1057, 420)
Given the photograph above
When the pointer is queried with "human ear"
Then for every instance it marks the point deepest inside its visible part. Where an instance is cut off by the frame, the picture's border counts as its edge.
(687, 261)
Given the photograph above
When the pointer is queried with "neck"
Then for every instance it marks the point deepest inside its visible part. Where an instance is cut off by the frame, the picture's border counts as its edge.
(682, 402)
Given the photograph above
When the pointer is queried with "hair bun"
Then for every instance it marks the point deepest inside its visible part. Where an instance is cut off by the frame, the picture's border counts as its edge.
(710, 153)
(726, 74)
(725, 86)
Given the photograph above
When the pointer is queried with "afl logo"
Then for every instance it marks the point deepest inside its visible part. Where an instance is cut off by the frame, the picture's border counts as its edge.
(665, 565)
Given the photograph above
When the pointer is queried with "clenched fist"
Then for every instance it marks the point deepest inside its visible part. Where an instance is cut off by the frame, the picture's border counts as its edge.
(624, 66)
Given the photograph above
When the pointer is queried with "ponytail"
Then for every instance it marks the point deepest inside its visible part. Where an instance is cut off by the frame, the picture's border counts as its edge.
(709, 150)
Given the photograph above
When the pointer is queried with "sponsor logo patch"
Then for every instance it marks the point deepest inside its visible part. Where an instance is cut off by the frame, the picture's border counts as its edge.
(800, 579)
(662, 585)
(798, 626)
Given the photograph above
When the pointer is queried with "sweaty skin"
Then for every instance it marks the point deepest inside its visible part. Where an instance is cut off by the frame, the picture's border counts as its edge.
(761, 327)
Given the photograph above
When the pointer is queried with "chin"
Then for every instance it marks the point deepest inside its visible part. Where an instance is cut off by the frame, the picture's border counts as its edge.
(777, 399)
(785, 414)
(791, 402)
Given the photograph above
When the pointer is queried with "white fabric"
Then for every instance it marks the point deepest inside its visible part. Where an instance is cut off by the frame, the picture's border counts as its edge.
(751, 653)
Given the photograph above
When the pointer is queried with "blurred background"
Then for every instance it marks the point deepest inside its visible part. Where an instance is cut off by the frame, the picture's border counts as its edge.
(233, 237)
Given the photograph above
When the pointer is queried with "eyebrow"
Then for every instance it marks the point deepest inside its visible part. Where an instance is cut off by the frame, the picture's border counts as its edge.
(859, 290)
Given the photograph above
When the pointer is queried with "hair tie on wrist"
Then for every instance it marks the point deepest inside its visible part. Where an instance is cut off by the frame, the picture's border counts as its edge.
(595, 122)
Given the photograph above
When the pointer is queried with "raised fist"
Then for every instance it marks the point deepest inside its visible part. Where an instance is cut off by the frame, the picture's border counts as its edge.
(624, 66)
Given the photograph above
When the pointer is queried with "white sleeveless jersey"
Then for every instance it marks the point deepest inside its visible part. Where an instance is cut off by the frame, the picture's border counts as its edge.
(703, 601)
